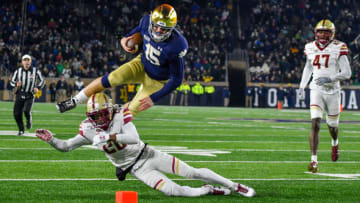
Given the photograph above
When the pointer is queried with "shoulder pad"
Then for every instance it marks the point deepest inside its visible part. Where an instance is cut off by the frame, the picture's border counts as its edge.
(344, 49)
(181, 47)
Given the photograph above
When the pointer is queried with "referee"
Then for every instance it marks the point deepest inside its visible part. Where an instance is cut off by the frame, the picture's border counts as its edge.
(25, 79)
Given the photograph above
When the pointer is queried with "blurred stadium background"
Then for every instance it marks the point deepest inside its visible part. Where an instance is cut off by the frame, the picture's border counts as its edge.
(237, 46)
(242, 45)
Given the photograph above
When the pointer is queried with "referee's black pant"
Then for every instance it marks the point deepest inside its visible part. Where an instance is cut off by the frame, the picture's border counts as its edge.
(23, 103)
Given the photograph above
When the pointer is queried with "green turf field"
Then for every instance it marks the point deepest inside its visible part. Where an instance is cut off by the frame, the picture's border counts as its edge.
(266, 149)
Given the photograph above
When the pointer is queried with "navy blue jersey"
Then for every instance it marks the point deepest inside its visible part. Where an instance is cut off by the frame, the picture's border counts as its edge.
(162, 60)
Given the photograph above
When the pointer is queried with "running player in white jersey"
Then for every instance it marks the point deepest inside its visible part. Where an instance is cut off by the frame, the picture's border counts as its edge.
(110, 129)
(328, 64)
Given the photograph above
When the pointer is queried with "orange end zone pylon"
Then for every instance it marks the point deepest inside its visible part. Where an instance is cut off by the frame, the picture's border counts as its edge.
(341, 108)
(126, 197)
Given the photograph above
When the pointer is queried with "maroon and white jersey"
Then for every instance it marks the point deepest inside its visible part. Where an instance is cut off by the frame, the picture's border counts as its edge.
(121, 155)
(324, 62)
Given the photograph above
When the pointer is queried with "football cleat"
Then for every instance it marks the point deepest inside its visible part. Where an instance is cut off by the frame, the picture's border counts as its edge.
(313, 167)
(335, 153)
(217, 190)
(66, 105)
(20, 133)
(245, 190)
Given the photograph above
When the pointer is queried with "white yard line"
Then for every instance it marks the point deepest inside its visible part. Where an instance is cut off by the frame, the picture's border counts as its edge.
(271, 162)
(239, 141)
(227, 149)
(29, 148)
(179, 179)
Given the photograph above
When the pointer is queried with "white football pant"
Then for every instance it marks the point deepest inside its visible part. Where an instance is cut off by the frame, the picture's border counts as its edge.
(151, 173)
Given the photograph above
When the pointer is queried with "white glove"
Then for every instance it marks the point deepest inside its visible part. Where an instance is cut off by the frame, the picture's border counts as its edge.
(301, 94)
(101, 138)
(322, 80)
(44, 134)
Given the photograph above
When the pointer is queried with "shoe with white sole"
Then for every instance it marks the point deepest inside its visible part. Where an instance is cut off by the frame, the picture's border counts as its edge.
(245, 190)
(217, 190)
(313, 167)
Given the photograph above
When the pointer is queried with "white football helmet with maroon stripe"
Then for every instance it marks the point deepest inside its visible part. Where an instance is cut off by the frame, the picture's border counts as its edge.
(99, 110)
(324, 31)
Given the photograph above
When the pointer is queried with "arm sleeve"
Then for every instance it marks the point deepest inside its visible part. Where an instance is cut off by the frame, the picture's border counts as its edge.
(42, 81)
(306, 75)
(345, 70)
(70, 144)
(13, 79)
(176, 76)
(129, 134)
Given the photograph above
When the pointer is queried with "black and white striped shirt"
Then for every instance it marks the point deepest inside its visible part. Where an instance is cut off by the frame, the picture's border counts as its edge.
(28, 79)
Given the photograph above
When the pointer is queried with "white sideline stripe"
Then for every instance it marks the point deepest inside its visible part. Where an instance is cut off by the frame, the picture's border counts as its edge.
(239, 141)
(323, 162)
(13, 148)
(26, 134)
(179, 179)
(85, 147)
(283, 150)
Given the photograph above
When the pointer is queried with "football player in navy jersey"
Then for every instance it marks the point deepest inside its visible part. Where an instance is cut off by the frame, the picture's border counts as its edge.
(159, 68)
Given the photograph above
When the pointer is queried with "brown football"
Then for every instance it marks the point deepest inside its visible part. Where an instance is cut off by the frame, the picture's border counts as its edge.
(135, 42)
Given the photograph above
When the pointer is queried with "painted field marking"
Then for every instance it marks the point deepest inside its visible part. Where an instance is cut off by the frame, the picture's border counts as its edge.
(182, 150)
(355, 176)
(3, 132)
(179, 179)
(189, 161)
(177, 150)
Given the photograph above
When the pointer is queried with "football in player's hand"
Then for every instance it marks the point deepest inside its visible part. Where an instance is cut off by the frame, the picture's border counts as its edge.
(135, 42)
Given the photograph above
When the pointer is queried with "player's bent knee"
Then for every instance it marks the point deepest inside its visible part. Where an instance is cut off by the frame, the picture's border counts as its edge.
(198, 173)
(178, 190)
(315, 122)
(333, 122)
(316, 113)
(171, 189)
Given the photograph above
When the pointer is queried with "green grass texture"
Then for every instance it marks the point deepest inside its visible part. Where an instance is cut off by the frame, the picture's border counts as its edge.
(267, 149)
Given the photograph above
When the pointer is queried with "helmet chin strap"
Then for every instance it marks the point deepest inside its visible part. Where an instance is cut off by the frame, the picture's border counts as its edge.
(158, 38)
(323, 44)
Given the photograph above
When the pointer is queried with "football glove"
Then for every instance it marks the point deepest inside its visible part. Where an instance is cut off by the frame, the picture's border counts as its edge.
(301, 94)
(44, 134)
(101, 138)
(322, 80)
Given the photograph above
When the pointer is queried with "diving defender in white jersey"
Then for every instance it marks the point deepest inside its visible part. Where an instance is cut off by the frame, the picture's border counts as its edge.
(110, 129)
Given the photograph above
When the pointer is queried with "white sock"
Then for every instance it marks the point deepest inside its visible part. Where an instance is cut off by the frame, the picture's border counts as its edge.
(81, 97)
(210, 176)
(186, 191)
(314, 158)
(334, 142)
(235, 186)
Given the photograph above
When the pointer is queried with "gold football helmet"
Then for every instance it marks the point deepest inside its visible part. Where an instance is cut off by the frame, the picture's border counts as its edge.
(99, 110)
(328, 33)
(163, 16)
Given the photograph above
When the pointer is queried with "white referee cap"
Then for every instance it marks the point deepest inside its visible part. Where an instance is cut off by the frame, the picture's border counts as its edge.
(26, 56)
